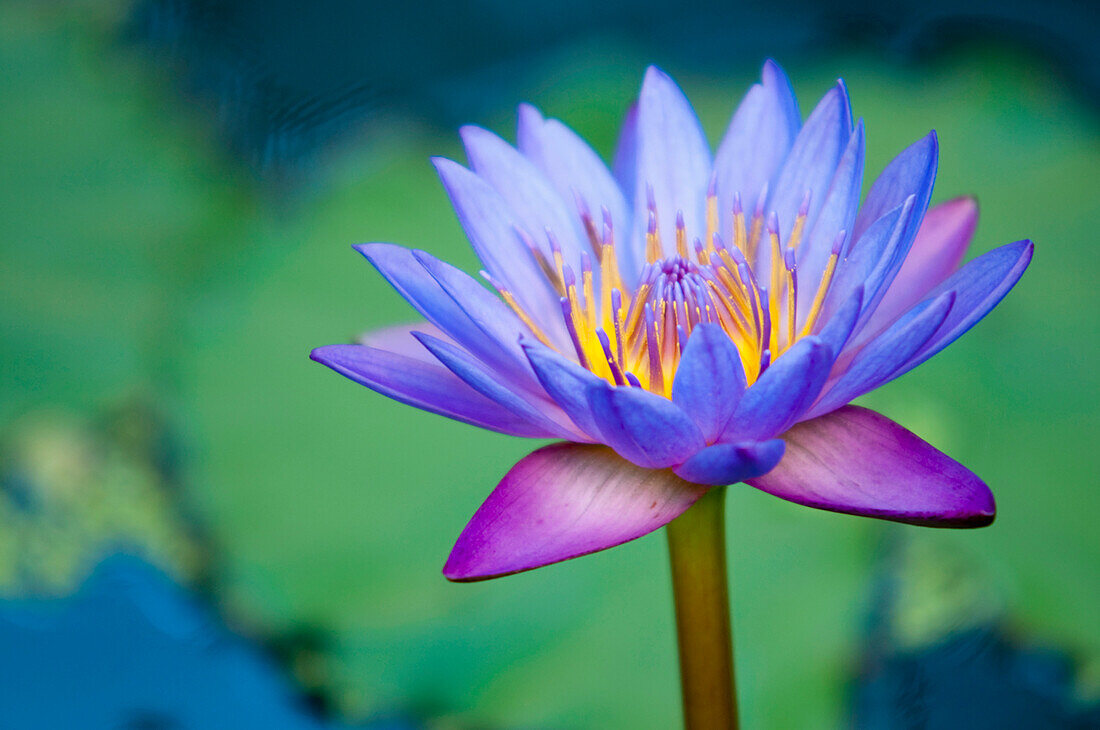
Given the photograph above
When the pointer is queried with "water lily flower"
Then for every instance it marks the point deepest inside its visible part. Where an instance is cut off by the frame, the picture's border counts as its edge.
(681, 320)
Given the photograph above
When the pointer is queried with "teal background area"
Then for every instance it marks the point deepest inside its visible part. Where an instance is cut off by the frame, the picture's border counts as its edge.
(136, 261)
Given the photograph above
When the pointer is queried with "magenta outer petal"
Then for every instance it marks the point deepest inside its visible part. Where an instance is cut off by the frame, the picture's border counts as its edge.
(730, 463)
(856, 461)
(563, 501)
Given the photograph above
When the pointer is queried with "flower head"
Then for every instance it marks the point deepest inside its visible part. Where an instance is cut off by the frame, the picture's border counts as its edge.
(682, 322)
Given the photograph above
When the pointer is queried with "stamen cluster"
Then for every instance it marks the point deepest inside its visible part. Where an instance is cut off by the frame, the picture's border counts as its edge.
(634, 336)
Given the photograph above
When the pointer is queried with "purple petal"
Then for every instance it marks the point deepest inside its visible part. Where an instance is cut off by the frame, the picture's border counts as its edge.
(913, 172)
(909, 178)
(979, 286)
(937, 251)
(563, 501)
(532, 198)
(490, 225)
(488, 313)
(427, 386)
(870, 262)
(567, 383)
(673, 159)
(837, 214)
(757, 141)
(811, 165)
(731, 463)
(856, 461)
(643, 427)
(878, 361)
(405, 271)
(399, 340)
(782, 393)
(625, 164)
(710, 380)
(534, 410)
(839, 327)
(571, 165)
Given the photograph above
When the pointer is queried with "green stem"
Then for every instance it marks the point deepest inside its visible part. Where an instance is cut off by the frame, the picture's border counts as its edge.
(697, 548)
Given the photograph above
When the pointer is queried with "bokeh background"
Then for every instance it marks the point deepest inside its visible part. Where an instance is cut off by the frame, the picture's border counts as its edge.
(200, 528)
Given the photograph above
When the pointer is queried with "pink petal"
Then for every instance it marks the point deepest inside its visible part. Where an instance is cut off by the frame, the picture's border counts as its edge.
(856, 461)
(563, 501)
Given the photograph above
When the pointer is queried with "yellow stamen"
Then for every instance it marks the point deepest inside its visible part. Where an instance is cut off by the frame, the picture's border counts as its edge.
(523, 316)
(819, 297)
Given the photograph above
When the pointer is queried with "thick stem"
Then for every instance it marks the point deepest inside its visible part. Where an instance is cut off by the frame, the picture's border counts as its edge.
(697, 548)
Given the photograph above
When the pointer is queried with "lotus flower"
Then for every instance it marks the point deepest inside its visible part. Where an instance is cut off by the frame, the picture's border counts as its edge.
(681, 321)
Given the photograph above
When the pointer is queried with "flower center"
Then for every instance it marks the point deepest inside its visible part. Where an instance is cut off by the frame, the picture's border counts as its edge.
(636, 337)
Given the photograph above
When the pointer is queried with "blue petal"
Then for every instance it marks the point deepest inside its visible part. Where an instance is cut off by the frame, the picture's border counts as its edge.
(427, 386)
(810, 165)
(757, 141)
(912, 172)
(837, 214)
(710, 380)
(491, 315)
(782, 393)
(908, 178)
(980, 285)
(530, 196)
(643, 427)
(867, 263)
(625, 164)
(405, 271)
(673, 158)
(722, 464)
(878, 361)
(472, 372)
(567, 383)
(839, 327)
(572, 166)
(491, 227)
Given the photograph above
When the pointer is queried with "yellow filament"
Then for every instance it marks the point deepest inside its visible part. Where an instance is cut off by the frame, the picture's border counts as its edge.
(740, 236)
(712, 223)
(681, 243)
(775, 293)
(535, 330)
(819, 297)
(754, 238)
(796, 232)
(790, 308)
(589, 299)
(653, 246)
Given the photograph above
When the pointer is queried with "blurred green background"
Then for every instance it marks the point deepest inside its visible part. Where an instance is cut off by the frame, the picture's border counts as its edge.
(139, 263)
